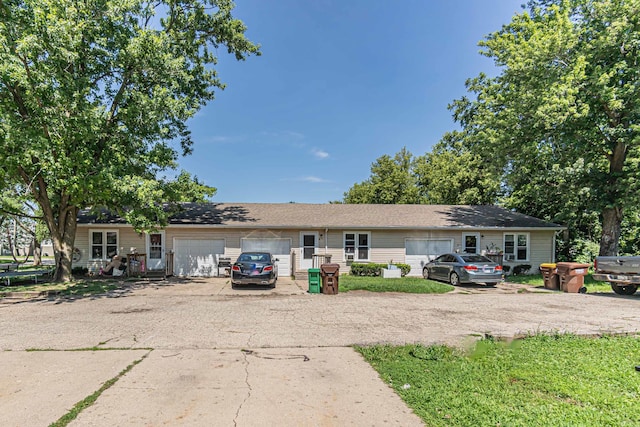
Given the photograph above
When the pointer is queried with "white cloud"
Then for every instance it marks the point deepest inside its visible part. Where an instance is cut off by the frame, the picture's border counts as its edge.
(321, 154)
(314, 179)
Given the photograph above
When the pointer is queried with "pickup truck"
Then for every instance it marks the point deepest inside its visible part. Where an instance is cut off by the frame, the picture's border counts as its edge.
(622, 272)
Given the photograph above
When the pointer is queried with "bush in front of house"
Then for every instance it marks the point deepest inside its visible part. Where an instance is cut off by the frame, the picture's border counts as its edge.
(375, 269)
(521, 269)
(77, 271)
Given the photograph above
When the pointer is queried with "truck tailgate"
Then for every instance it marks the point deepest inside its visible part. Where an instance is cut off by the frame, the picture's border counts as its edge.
(618, 265)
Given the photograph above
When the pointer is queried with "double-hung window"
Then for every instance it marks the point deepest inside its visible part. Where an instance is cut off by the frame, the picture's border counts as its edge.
(516, 246)
(357, 246)
(104, 243)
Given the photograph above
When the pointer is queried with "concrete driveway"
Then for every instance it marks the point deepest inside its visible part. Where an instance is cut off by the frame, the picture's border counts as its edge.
(201, 353)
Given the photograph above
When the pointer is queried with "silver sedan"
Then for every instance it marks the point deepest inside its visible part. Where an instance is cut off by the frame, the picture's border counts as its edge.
(463, 268)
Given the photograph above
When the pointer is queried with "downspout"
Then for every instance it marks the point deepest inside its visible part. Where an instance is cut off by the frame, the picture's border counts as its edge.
(326, 238)
(553, 245)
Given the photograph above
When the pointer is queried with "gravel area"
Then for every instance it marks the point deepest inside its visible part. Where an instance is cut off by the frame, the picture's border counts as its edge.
(209, 314)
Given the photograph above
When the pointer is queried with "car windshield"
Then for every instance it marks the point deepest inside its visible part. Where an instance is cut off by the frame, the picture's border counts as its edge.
(253, 257)
(475, 258)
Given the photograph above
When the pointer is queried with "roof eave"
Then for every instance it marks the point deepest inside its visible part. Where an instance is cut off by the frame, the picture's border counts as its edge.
(341, 227)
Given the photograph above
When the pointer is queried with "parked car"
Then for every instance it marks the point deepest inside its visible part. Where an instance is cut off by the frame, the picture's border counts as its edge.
(463, 268)
(257, 268)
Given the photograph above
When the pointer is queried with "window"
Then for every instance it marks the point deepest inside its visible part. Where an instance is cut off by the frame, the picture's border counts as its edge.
(357, 246)
(104, 244)
(516, 247)
(471, 243)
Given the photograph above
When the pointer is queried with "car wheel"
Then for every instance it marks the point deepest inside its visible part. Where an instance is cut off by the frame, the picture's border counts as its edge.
(624, 289)
(425, 273)
(273, 285)
(454, 279)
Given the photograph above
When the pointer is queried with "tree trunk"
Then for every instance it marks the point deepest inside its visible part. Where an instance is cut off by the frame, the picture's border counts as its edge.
(61, 218)
(37, 252)
(63, 242)
(611, 229)
(612, 216)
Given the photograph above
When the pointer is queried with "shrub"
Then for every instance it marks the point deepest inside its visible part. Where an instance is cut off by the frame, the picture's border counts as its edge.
(405, 268)
(79, 271)
(375, 269)
(521, 269)
(368, 269)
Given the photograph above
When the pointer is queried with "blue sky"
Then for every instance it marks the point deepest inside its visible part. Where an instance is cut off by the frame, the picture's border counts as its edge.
(339, 84)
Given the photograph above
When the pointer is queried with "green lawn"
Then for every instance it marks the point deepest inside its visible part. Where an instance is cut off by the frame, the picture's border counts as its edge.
(414, 285)
(544, 380)
(78, 288)
(4, 259)
(419, 285)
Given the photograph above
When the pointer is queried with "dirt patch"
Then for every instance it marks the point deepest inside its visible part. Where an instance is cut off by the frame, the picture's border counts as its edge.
(500, 288)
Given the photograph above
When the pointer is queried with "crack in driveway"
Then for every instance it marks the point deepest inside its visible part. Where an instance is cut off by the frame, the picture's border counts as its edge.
(246, 381)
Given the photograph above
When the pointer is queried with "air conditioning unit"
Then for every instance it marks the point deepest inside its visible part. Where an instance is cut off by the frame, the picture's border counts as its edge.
(349, 257)
(510, 257)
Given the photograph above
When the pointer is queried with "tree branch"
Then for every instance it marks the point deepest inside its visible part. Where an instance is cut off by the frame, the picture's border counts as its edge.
(19, 214)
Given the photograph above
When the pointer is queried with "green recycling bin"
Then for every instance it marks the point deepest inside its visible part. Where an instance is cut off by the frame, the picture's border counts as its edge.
(314, 280)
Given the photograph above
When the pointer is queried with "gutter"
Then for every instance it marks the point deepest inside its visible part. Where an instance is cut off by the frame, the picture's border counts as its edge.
(342, 227)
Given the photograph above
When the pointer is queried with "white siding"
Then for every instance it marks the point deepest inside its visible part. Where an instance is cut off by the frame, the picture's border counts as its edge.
(385, 245)
(128, 242)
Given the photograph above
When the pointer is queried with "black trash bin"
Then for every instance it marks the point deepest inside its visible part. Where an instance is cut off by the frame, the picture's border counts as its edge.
(330, 274)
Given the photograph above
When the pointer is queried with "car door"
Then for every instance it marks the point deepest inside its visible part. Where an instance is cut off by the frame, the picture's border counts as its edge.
(439, 268)
(447, 265)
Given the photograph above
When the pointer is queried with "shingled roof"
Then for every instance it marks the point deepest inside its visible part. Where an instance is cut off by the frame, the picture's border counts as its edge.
(356, 216)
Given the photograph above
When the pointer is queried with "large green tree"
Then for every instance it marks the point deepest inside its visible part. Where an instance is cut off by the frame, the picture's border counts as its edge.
(392, 181)
(94, 96)
(450, 174)
(567, 97)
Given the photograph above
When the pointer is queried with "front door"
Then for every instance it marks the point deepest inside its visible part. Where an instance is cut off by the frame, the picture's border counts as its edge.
(155, 250)
(308, 247)
(471, 242)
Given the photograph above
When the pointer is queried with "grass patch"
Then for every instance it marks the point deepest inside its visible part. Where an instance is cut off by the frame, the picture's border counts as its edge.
(543, 380)
(90, 287)
(79, 288)
(91, 399)
(415, 285)
(592, 286)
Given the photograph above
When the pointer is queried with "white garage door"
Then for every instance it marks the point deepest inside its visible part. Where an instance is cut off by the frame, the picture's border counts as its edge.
(194, 257)
(280, 248)
(418, 252)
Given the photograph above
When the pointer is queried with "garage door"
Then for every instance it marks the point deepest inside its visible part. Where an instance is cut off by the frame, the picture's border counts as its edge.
(280, 248)
(420, 251)
(194, 257)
